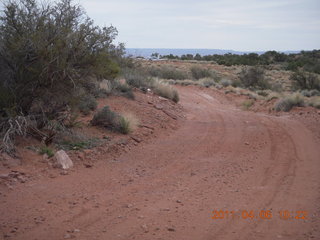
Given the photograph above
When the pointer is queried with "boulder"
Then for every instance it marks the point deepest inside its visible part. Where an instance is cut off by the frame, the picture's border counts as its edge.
(63, 160)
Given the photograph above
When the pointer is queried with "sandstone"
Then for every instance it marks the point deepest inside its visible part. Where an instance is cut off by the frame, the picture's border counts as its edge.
(63, 160)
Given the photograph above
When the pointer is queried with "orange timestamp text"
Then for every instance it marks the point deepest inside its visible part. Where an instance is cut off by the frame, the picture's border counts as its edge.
(261, 214)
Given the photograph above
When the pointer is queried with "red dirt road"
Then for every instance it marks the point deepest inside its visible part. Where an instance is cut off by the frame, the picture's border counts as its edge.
(220, 158)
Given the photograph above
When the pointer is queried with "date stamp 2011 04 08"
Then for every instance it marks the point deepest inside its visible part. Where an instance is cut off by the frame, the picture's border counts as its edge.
(262, 214)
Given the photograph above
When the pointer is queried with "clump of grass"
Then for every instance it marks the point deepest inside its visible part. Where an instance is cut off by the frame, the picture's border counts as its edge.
(125, 123)
(287, 103)
(247, 104)
(106, 118)
(128, 123)
(46, 150)
(166, 91)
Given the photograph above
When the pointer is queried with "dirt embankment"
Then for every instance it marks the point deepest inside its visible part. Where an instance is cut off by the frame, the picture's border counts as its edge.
(217, 157)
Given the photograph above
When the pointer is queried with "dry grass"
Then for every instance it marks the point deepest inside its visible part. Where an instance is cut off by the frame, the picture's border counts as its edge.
(128, 123)
(287, 103)
(166, 91)
(314, 102)
(247, 104)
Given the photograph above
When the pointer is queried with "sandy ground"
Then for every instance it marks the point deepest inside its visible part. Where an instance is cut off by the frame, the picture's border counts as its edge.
(214, 177)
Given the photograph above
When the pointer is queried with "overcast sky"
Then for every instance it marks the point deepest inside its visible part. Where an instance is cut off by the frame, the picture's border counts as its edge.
(244, 25)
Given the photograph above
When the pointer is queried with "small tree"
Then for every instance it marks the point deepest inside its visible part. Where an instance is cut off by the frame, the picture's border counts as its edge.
(48, 50)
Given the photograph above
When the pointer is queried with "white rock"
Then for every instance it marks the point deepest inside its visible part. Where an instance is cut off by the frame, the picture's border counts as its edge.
(63, 160)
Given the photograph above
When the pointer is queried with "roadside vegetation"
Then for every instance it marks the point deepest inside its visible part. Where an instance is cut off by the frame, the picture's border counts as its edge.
(55, 64)
(288, 80)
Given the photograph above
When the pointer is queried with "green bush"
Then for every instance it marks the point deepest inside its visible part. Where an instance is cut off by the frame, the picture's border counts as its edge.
(137, 78)
(253, 77)
(304, 80)
(287, 103)
(198, 72)
(47, 51)
(106, 118)
(168, 73)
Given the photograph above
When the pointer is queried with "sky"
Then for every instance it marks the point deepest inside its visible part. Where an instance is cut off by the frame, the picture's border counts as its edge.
(242, 25)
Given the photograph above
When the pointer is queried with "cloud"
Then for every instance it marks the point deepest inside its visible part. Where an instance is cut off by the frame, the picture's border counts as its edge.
(172, 23)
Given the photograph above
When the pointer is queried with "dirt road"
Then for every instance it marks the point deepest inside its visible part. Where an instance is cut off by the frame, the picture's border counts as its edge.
(220, 158)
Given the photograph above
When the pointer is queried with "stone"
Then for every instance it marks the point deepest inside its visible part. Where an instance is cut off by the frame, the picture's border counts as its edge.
(63, 160)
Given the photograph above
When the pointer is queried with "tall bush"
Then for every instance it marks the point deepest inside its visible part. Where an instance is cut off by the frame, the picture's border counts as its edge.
(47, 51)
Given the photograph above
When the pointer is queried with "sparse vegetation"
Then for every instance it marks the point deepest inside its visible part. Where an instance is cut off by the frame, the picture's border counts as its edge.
(199, 72)
(253, 77)
(304, 80)
(106, 118)
(46, 150)
(166, 72)
(122, 123)
(225, 82)
(247, 104)
(287, 103)
(49, 52)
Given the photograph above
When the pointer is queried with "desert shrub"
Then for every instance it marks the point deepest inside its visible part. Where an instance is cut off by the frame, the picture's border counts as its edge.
(207, 82)
(74, 139)
(166, 91)
(225, 82)
(166, 72)
(47, 51)
(136, 77)
(287, 103)
(46, 150)
(272, 96)
(304, 80)
(114, 121)
(263, 93)
(314, 102)
(106, 118)
(236, 83)
(198, 72)
(123, 89)
(253, 77)
(276, 87)
(247, 104)
(87, 103)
